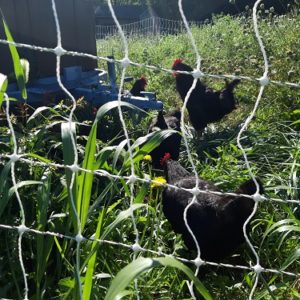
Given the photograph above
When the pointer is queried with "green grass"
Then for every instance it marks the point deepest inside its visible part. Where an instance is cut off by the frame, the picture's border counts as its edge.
(227, 46)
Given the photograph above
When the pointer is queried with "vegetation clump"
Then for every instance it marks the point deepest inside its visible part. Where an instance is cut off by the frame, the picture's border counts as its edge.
(106, 205)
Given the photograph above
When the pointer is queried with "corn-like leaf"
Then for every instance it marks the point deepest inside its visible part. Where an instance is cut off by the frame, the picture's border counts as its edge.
(88, 281)
(141, 265)
(3, 87)
(150, 142)
(18, 69)
(25, 66)
(68, 154)
(85, 181)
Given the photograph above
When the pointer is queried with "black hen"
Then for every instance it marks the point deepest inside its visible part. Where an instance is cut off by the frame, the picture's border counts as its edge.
(216, 221)
(204, 105)
(138, 87)
(172, 143)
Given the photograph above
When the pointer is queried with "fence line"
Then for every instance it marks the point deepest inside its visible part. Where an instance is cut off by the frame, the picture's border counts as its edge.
(148, 26)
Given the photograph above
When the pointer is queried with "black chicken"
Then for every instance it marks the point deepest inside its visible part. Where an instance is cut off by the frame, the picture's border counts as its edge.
(172, 143)
(138, 87)
(204, 105)
(216, 221)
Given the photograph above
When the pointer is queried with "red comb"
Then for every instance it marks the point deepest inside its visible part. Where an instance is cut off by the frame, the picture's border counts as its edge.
(143, 78)
(177, 61)
(166, 157)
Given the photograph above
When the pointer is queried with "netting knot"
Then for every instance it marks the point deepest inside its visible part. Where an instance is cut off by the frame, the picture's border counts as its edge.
(22, 228)
(79, 238)
(197, 73)
(14, 157)
(59, 51)
(136, 247)
(195, 191)
(264, 80)
(125, 62)
(258, 269)
(258, 197)
(74, 168)
(132, 179)
(160, 251)
(199, 262)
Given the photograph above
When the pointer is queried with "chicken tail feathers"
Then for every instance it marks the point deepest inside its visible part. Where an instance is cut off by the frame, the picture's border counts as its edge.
(174, 171)
(231, 85)
(249, 187)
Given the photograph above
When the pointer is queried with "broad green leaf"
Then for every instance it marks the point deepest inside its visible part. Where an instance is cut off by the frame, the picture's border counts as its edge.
(85, 181)
(296, 122)
(121, 217)
(20, 184)
(3, 87)
(288, 228)
(160, 135)
(18, 69)
(150, 142)
(113, 104)
(118, 151)
(141, 265)
(40, 110)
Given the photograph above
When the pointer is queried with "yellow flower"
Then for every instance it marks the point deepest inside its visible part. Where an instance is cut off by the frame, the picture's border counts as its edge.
(158, 181)
(147, 157)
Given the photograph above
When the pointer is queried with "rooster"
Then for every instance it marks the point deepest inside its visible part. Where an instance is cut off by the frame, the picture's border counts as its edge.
(172, 143)
(138, 87)
(216, 221)
(204, 105)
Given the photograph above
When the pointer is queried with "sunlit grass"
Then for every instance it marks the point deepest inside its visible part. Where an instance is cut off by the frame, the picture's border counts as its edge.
(227, 46)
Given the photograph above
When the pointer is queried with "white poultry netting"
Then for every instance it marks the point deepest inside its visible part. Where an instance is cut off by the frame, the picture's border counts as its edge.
(148, 26)
(17, 157)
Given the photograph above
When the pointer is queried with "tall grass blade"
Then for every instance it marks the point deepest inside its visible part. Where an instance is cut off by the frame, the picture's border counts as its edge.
(121, 217)
(291, 259)
(4, 184)
(44, 243)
